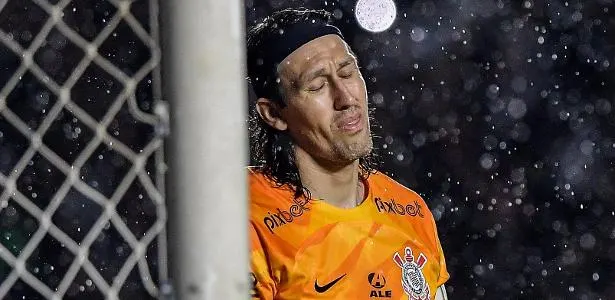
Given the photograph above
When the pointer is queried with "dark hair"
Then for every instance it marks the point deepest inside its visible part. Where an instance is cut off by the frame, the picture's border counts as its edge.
(269, 147)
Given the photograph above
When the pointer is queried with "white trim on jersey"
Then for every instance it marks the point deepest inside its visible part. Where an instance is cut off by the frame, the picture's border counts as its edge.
(441, 293)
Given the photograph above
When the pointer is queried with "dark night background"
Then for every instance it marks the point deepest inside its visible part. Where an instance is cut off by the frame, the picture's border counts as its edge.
(499, 113)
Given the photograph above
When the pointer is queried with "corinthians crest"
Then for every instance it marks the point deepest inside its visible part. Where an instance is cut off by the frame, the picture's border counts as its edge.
(412, 278)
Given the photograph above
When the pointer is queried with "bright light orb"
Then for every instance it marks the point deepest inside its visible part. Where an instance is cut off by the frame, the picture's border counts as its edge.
(375, 15)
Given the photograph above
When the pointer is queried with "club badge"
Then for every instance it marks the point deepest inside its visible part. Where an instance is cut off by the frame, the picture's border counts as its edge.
(412, 277)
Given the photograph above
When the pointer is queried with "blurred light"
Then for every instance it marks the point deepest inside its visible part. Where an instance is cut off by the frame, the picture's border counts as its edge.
(417, 34)
(375, 15)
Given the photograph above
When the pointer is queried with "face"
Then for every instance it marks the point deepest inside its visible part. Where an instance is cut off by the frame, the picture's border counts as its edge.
(326, 110)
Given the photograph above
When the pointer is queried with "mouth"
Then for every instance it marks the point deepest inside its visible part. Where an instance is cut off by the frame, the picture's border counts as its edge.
(351, 124)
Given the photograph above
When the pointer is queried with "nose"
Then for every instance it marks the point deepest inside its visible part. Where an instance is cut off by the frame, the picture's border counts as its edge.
(342, 97)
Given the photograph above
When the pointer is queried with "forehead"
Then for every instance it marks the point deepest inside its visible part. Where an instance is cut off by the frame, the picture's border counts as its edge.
(315, 52)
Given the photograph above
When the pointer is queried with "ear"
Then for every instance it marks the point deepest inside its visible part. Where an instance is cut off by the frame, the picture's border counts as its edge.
(270, 112)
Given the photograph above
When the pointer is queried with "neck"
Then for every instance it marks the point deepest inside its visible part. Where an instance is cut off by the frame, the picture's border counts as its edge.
(338, 185)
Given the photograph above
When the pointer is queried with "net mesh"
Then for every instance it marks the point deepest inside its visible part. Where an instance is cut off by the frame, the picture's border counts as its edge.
(82, 212)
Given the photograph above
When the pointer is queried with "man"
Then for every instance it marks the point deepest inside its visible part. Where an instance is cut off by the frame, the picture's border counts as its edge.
(323, 223)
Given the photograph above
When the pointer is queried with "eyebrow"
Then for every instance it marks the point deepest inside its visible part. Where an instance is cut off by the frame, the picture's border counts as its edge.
(319, 72)
(348, 61)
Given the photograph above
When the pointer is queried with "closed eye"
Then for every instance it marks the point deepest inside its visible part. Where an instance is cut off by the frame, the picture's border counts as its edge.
(317, 85)
(347, 72)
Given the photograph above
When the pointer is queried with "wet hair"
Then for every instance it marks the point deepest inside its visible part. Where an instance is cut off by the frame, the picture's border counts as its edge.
(270, 148)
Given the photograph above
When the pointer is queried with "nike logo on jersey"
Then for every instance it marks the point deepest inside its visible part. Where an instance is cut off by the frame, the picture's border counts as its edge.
(326, 287)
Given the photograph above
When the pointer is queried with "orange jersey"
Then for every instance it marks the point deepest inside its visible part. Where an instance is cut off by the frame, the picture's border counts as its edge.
(387, 247)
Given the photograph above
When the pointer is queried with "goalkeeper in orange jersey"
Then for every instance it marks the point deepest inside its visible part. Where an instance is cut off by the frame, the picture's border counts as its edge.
(324, 224)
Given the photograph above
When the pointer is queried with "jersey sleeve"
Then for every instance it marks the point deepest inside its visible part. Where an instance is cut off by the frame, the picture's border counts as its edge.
(443, 276)
(263, 286)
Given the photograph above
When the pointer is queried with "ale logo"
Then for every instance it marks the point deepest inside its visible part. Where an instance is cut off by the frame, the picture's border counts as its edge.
(378, 282)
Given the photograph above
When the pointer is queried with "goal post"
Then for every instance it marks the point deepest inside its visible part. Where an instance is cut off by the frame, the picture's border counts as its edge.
(203, 80)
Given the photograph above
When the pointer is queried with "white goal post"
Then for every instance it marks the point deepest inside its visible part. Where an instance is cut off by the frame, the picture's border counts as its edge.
(203, 75)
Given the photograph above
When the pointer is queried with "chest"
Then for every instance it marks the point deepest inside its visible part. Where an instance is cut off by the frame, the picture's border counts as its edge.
(378, 255)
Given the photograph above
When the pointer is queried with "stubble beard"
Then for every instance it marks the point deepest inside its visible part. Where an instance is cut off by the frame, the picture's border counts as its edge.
(350, 151)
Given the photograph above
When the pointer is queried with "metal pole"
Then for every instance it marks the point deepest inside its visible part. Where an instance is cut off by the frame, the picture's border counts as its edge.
(203, 43)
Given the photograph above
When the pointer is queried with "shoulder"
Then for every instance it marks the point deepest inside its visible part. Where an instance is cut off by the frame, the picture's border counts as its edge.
(258, 182)
(394, 199)
(256, 178)
(271, 206)
(264, 192)
(388, 185)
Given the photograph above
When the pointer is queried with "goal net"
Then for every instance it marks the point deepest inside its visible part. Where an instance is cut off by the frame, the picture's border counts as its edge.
(82, 198)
